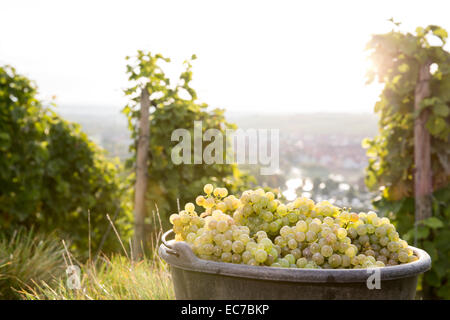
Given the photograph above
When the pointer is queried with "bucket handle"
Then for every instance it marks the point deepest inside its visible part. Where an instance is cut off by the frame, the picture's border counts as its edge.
(169, 249)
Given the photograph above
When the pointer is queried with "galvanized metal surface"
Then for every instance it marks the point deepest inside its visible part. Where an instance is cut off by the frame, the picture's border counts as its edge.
(195, 278)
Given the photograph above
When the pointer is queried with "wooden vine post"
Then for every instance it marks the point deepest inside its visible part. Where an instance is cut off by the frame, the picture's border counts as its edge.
(422, 148)
(140, 208)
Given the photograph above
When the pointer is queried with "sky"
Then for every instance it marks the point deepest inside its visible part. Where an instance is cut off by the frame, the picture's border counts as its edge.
(253, 56)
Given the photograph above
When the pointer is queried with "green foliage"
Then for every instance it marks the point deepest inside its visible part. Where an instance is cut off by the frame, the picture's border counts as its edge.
(51, 175)
(397, 57)
(174, 107)
(27, 260)
(433, 235)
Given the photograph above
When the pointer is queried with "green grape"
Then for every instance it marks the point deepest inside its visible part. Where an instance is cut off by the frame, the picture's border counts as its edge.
(351, 251)
(272, 206)
(252, 262)
(228, 235)
(208, 248)
(328, 220)
(238, 215)
(282, 210)
(279, 240)
(345, 261)
(306, 253)
(335, 260)
(222, 226)
(292, 217)
(352, 233)
(314, 226)
(361, 229)
(385, 220)
(393, 246)
(370, 252)
(174, 219)
(177, 229)
(267, 243)
(238, 246)
(236, 258)
(393, 236)
(299, 236)
(297, 253)
(301, 226)
(261, 235)
(393, 255)
(301, 263)
(314, 248)
(284, 263)
(217, 251)
(331, 238)
(246, 256)
(354, 261)
(325, 231)
(264, 201)
(273, 252)
(382, 258)
(370, 229)
(371, 215)
(404, 244)
(290, 258)
(260, 255)
(278, 248)
(318, 258)
(267, 216)
(276, 264)
(244, 238)
(403, 257)
(311, 236)
(322, 242)
(251, 246)
(326, 251)
(273, 227)
(190, 237)
(292, 244)
(227, 245)
(373, 239)
(310, 265)
(341, 233)
(383, 241)
(376, 222)
(285, 230)
(226, 257)
(364, 240)
(392, 262)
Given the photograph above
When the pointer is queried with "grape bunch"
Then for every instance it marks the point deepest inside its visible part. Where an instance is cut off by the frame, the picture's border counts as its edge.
(259, 230)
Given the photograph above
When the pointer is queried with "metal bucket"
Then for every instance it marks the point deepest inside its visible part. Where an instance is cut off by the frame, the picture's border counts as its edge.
(194, 278)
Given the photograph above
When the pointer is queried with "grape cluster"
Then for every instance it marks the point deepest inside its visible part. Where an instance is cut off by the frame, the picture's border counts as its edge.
(258, 229)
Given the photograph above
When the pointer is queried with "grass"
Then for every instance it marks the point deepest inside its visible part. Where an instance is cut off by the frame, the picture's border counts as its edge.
(26, 259)
(117, 278)
(114, 278)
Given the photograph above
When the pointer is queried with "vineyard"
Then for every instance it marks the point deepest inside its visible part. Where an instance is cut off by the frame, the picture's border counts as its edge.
(78, 223)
